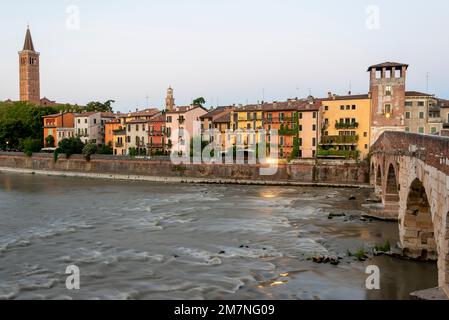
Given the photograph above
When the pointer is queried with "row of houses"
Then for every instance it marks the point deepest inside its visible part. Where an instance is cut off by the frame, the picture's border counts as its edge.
(331, 127)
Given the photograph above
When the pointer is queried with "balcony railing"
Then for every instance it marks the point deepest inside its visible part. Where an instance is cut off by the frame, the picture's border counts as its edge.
(343, 125)
(334, 140)
(155, 145)
(119, 132)
(156, 133)
(119, 145)
(346, 154)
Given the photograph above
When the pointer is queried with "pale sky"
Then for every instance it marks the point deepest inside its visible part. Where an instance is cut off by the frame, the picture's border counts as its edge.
(228, 51)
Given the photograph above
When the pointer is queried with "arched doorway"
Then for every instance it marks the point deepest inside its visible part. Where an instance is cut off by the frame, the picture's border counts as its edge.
(391, 199)
(417, 232)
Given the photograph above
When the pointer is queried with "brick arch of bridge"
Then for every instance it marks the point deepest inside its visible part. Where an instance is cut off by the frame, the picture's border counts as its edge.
(423, 214)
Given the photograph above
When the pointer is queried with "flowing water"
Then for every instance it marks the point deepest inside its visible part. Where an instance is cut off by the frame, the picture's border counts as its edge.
(135, 240)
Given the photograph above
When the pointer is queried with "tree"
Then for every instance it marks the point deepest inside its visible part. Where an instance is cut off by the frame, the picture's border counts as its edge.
(71, 146)
(29, 146)
(106, 149)
(199, 102)
(96, 106)
(50, 142)
(89, 149)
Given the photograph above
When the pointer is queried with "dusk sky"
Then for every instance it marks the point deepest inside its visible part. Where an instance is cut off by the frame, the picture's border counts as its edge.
(228, 51)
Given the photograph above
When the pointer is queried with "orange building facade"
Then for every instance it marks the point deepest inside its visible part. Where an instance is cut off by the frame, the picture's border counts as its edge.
(59, 126)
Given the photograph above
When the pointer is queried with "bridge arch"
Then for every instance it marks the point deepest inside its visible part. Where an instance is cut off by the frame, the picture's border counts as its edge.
(417, 228)
(391, 193)
(379, 176)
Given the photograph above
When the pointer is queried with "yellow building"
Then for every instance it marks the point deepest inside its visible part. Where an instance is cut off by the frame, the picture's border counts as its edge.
(346, 127)
(247, 119)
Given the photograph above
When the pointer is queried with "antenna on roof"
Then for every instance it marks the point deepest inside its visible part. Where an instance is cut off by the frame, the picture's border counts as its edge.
(427, 78)
(148, 100)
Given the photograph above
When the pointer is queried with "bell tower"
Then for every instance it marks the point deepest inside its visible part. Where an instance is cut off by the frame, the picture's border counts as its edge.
(170, 100)
(29, 71)
(387, 90)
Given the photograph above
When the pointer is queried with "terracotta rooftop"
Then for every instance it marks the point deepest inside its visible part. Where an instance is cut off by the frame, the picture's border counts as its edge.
(224, 118)
(348, 97)
(143, 113)
(216, 112)
(185, 109)
(294, 105)
(417, 94)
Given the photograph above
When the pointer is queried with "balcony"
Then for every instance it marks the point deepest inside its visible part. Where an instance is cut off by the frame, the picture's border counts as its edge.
(155, 146)
(286, 131)
(181, 120)
(337, 140)
(120, 132)
(119, 145)
(341, 154)
(344, 125)
(156, 133)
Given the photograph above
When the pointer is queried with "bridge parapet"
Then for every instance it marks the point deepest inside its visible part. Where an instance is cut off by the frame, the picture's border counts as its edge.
(433, 150)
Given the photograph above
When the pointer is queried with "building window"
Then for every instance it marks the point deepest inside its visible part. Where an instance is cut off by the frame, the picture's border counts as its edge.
(421, 115)
(421, 130)
(169, 119)
(388, 90)
(407, 115)
(433, 130)
(348, 107)
(314, 142)
(281, 116)
(314, 115)
(407, 129)
(300, 115)
(420, 103)
(300, 127)
(365, 134)
(388, 109)
(354, 107)
(95, 121)
(409, 103)
(326, 108)
(314, 127)
(366, 147)
(342, 107)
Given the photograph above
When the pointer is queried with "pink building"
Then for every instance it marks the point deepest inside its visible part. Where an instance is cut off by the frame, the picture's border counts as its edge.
(183, 124)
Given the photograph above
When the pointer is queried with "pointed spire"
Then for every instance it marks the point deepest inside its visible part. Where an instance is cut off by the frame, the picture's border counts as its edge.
(28, 45)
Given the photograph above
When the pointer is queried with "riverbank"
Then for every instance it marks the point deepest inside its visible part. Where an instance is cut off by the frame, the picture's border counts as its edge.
(336, 173)
(179, 179)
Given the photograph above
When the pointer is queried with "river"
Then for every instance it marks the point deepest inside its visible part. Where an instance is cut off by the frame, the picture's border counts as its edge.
(139, 240)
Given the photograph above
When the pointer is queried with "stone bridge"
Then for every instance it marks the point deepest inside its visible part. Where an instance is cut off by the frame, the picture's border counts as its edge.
(411, 174)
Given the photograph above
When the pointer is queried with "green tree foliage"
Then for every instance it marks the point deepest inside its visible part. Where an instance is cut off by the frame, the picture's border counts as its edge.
(21, 120)
(199, 102)
(106, 149)
(50, 141)
(71, 146)
(89, 149)
(29, 146)
(100, 107)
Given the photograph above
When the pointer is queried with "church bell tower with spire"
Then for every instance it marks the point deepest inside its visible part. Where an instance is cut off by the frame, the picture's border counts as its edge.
(29, 71)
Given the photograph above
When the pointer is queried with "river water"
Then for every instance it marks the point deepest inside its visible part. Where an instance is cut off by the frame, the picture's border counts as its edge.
(136, 240)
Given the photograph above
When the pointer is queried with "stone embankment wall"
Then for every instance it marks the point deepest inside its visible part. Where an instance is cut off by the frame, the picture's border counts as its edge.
(307, 171)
